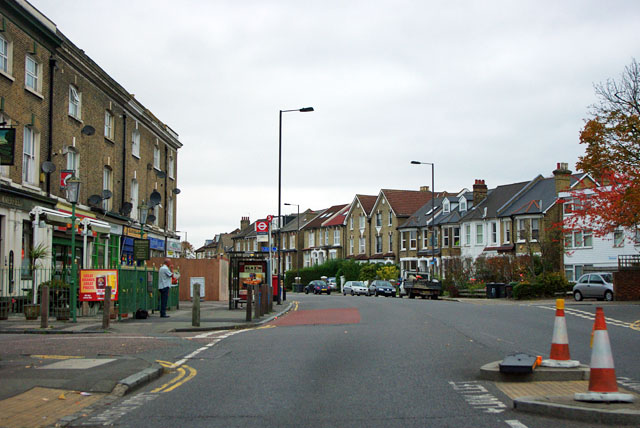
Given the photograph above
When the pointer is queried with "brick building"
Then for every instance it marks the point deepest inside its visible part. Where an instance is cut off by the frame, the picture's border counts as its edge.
(70, 117)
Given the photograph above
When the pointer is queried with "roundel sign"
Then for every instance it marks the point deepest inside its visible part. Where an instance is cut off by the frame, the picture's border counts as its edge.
(262, 226)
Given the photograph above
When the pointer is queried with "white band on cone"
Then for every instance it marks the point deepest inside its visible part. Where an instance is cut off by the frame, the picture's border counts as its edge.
(601, 357)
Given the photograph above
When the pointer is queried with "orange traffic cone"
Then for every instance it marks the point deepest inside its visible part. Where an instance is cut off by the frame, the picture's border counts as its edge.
(559, 355)
(603, 386)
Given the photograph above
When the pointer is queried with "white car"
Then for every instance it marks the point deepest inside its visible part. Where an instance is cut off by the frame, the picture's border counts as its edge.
(355, 287)
(597, 285)
(332, 283)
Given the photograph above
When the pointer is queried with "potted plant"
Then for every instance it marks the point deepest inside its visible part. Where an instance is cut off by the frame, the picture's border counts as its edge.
(40, 251)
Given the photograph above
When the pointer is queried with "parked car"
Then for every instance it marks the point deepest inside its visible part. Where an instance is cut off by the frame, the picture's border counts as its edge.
(597, 285)
(355, 287)
(381, 287)
(317, 286)
(332, 283)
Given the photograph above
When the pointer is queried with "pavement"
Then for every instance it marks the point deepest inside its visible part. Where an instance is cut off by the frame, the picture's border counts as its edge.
(53, 375)
(47, 380)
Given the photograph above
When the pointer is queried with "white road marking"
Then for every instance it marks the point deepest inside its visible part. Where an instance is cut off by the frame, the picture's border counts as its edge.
(589, 316)
(478, 396)
(514, 423)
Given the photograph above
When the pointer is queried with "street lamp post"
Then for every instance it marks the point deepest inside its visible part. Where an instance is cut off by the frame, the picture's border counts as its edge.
(433, 209)
(297, 243)
(302, 110)
(73, 193)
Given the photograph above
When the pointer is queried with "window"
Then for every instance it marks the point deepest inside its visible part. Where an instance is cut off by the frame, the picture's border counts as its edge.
(170, 214)
(32, 74)
(171, 165)
(134, 199)
(567, 207)
(30, 149)
(351, 245)
(135, 143)
(107, 184)
(336, 237)
(456, 236)
(507, 231)
(403, 240)
(390, 218)
(535, 229)
(312, 239)
(413, 239)
(156, 157)
(379, 219)
(5, 55)
(292, 241)
(391, 242)
(75, 102)
(108, 125)
(618, 238)
(494, 232)
(463, 204)
(361, 220)
(479, 234)
(445, 237)
(378, 244)
(467, 234)
(361, 246)
(425, 238)
(351, 223)
(579, 239)
(27, 240)
(446, 206)
(434, 237)
(326, 237)
(73, 160)
(520, 229)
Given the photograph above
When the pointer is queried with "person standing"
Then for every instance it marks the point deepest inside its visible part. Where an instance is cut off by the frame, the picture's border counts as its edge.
(164, 283)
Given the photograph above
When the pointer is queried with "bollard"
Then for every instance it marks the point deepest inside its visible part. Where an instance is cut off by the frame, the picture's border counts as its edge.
(249, 302)
(106, 312)
(44, 306)
(195, 312)
(264, 299)
(256, 297)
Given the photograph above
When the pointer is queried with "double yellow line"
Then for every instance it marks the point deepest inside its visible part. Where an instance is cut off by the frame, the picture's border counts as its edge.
(635, 325)
(177, 381)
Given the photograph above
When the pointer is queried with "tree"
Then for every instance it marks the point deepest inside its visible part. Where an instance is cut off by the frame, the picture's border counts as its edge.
(388, 272)
(187, 250)
(612, 156)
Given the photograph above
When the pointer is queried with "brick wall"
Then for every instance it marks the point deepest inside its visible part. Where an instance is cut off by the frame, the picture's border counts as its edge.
(626, 284)
(214, 271)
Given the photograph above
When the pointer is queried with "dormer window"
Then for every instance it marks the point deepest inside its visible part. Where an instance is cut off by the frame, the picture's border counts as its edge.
(463, 204)
(446, 206)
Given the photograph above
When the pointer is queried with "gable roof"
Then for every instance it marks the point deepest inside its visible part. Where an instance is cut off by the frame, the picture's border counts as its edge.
(496, 199)
(420, 217)
(324, 216)
(339, 218)
(305, 218)
(405, 202)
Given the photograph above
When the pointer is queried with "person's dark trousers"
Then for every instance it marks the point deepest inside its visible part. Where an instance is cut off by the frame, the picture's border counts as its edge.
(164, 297)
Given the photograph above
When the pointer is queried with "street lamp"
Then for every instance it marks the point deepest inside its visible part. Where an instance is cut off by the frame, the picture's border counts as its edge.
(301, 110)
(72, 189)
(433, 209)
(297, 243)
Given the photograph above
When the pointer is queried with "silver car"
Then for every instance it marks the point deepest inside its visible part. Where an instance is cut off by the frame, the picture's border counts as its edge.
(598, 285)
(355, 287)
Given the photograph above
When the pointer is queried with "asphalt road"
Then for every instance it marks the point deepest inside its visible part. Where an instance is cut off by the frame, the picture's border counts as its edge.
(386, 363)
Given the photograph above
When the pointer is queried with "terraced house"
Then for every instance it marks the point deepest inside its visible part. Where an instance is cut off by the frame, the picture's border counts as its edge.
(323, 240)
(358, 223)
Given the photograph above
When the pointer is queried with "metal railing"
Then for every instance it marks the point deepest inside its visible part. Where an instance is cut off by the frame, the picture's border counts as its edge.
(19, 288)
(630, 261)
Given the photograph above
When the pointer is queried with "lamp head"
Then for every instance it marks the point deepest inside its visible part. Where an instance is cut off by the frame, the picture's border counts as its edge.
(416, 163)
(73, 189)
(306, 109)
(144, 212)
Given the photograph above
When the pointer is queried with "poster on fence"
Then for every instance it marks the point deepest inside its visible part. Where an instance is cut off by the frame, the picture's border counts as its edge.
(93, 283)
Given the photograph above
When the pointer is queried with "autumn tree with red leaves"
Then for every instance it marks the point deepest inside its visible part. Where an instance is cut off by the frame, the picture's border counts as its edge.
(612, 157)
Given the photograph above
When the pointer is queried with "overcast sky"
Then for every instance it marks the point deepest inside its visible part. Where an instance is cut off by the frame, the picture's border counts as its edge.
(493, 90)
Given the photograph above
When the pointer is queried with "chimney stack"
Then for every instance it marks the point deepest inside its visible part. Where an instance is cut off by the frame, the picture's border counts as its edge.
(479, 192)
(562, 176)
(244, 223)
(424, 188)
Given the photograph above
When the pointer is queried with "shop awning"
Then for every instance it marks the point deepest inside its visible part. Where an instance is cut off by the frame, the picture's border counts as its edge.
(97, 225)
(51, 216)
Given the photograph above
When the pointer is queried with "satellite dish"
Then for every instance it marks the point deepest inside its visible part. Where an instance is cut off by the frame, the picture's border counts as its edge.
(155, 198)
(106, 194)
(48, 167)
(126, 208)
(176, 191)
(151, 218)
(88, 130)
(161, 174)
(95, 200)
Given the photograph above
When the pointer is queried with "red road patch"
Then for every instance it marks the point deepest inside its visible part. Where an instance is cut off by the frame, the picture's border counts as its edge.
(319, 317)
